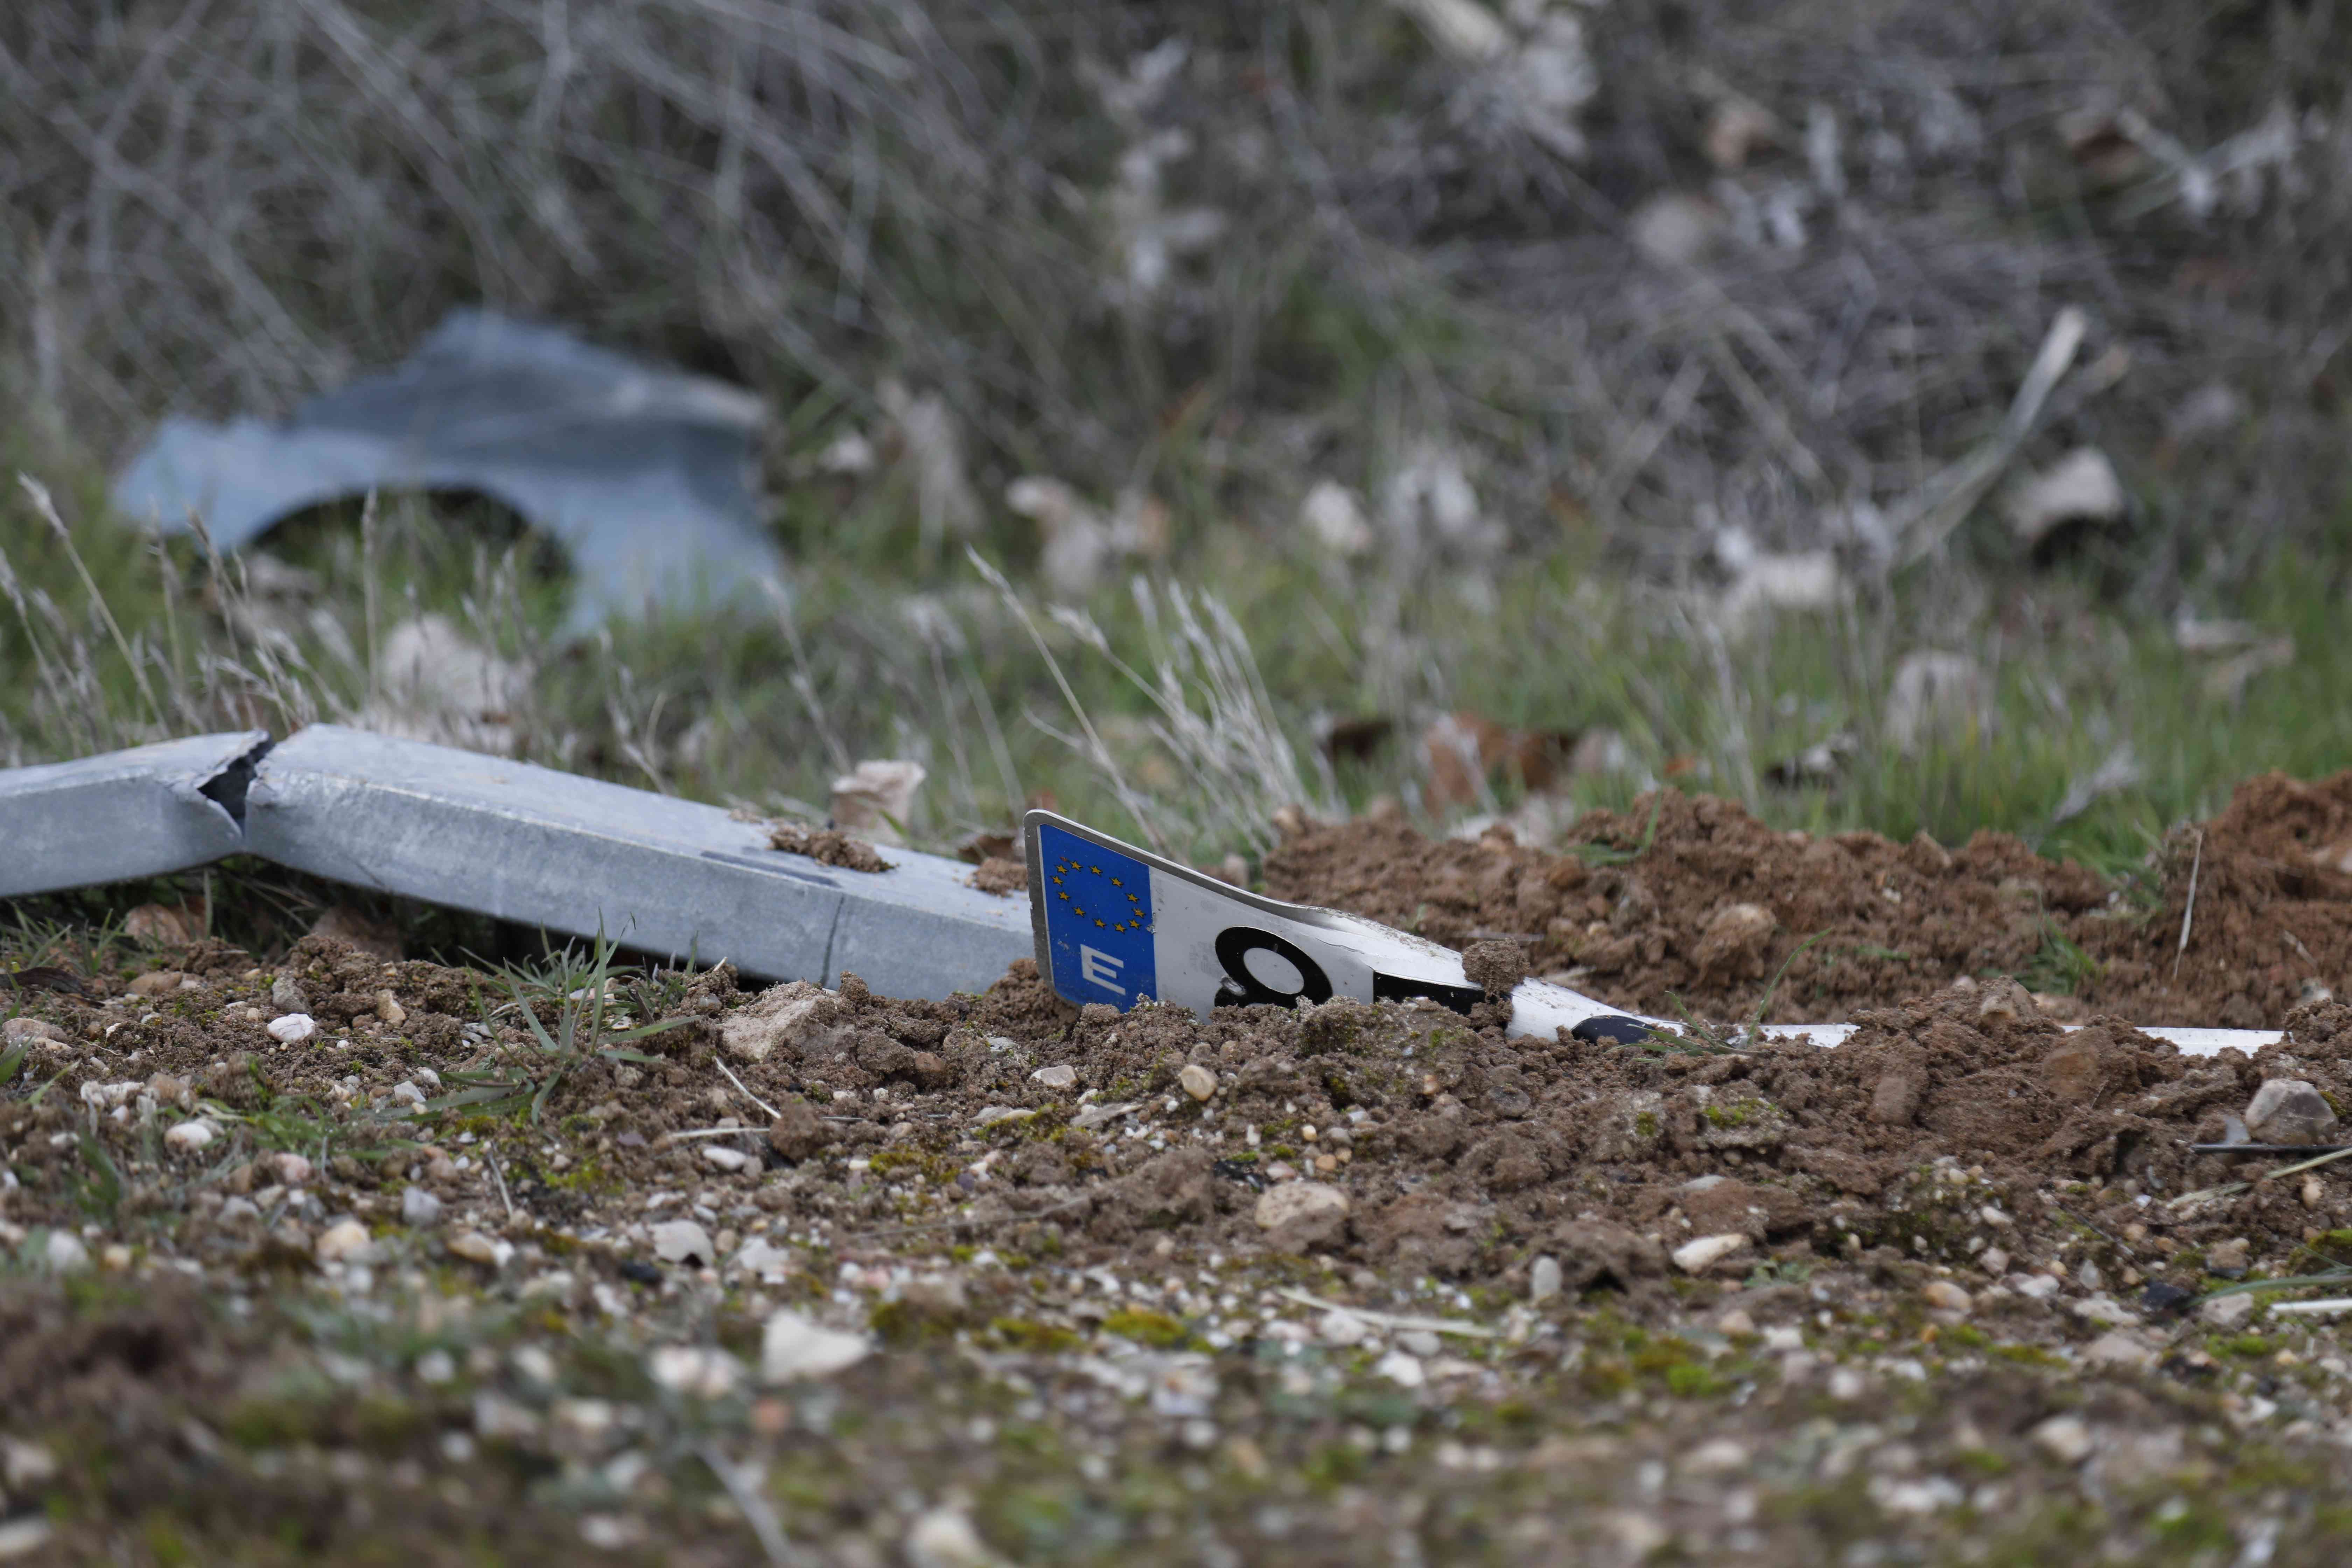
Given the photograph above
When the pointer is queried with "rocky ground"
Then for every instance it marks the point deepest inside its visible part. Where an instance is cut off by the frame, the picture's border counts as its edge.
(318, 1257)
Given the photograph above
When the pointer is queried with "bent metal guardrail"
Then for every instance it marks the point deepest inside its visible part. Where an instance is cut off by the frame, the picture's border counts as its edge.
(1106, 922)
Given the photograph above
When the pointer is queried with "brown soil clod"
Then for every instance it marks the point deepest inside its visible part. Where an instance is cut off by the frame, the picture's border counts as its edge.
(826, 847)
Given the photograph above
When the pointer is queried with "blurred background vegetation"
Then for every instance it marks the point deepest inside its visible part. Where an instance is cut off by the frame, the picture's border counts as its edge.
(1181, 410)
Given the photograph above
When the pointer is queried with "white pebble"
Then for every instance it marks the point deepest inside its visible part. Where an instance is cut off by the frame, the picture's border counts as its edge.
(1691, 1256)
(293, 1028)
(725, 1158)
(345, 1243)
(794, 1347)
(191, 1134)
(1061, 1075)
(1197, 1080)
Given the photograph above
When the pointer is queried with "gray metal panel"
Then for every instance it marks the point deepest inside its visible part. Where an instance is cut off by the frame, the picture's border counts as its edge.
(546, 849)
(121, 815)
(571, 854)
(920, 929)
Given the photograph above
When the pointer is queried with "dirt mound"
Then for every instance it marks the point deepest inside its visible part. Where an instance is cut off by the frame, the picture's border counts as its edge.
(387, 1297)
(1689, 902)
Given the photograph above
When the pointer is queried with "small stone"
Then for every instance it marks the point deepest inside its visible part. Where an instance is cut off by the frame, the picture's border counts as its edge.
(2119, 1347)
(1716, 1456)
(2089, 1277)
(944, 1538)
(293, 1170)
(701, 1372)
(435, 1367)
(1543, 1279)
(1696, 1257)
(31, 1029)
(285, 994)
(2289, 1110)
(25, 1465)
(114, 1256)
(2064, 1438)
(419, 1208)
(191, 1135)
(1298, 1215)
(2033, 1287)
(24, 1535)
(389, 1010)
(681, 1241)
(2227, 1312)
(475, 1247)
(1735, 1321)
(1943, 1296)
(345, 1242)
(793, 1347)
(157, 983)
(1061, 1075)
(1404, 1370)
(724, 1158)
(2313, 1194)
(63, 1253)
(1994, 1261)
(2228, 1256)
(1197, 1080)
(1422, 1342)
(1343, 1330)
(293, 1028)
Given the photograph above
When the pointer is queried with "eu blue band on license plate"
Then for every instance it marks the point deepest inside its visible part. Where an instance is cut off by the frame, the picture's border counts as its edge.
(1097, 906)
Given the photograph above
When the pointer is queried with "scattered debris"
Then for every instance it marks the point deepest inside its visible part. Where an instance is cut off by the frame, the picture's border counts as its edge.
(2080, 486)
(876, 798)
(1333, 518)
(636, 470)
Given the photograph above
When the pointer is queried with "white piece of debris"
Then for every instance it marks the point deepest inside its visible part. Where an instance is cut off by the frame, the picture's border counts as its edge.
(682, 1241)
(1061, 1075)
(1766, 584)
(419, 1208)
(2080, 486)
(793, 1347)
(293, 1028)
(63, 1253)
(2065, 1438)
(697, 1371)
(345, 1242)
(1704, 1252)
(191, 1135)
(788, 1014)
(876, 798)
(1429, 501)
(1333, 518)
(944, 1538)
(1197, 1081)
(1677, 228)
(724, 1158)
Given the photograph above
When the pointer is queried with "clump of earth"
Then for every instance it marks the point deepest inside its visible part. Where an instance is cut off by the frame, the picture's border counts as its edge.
(316, 1256)
(1690, 900)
